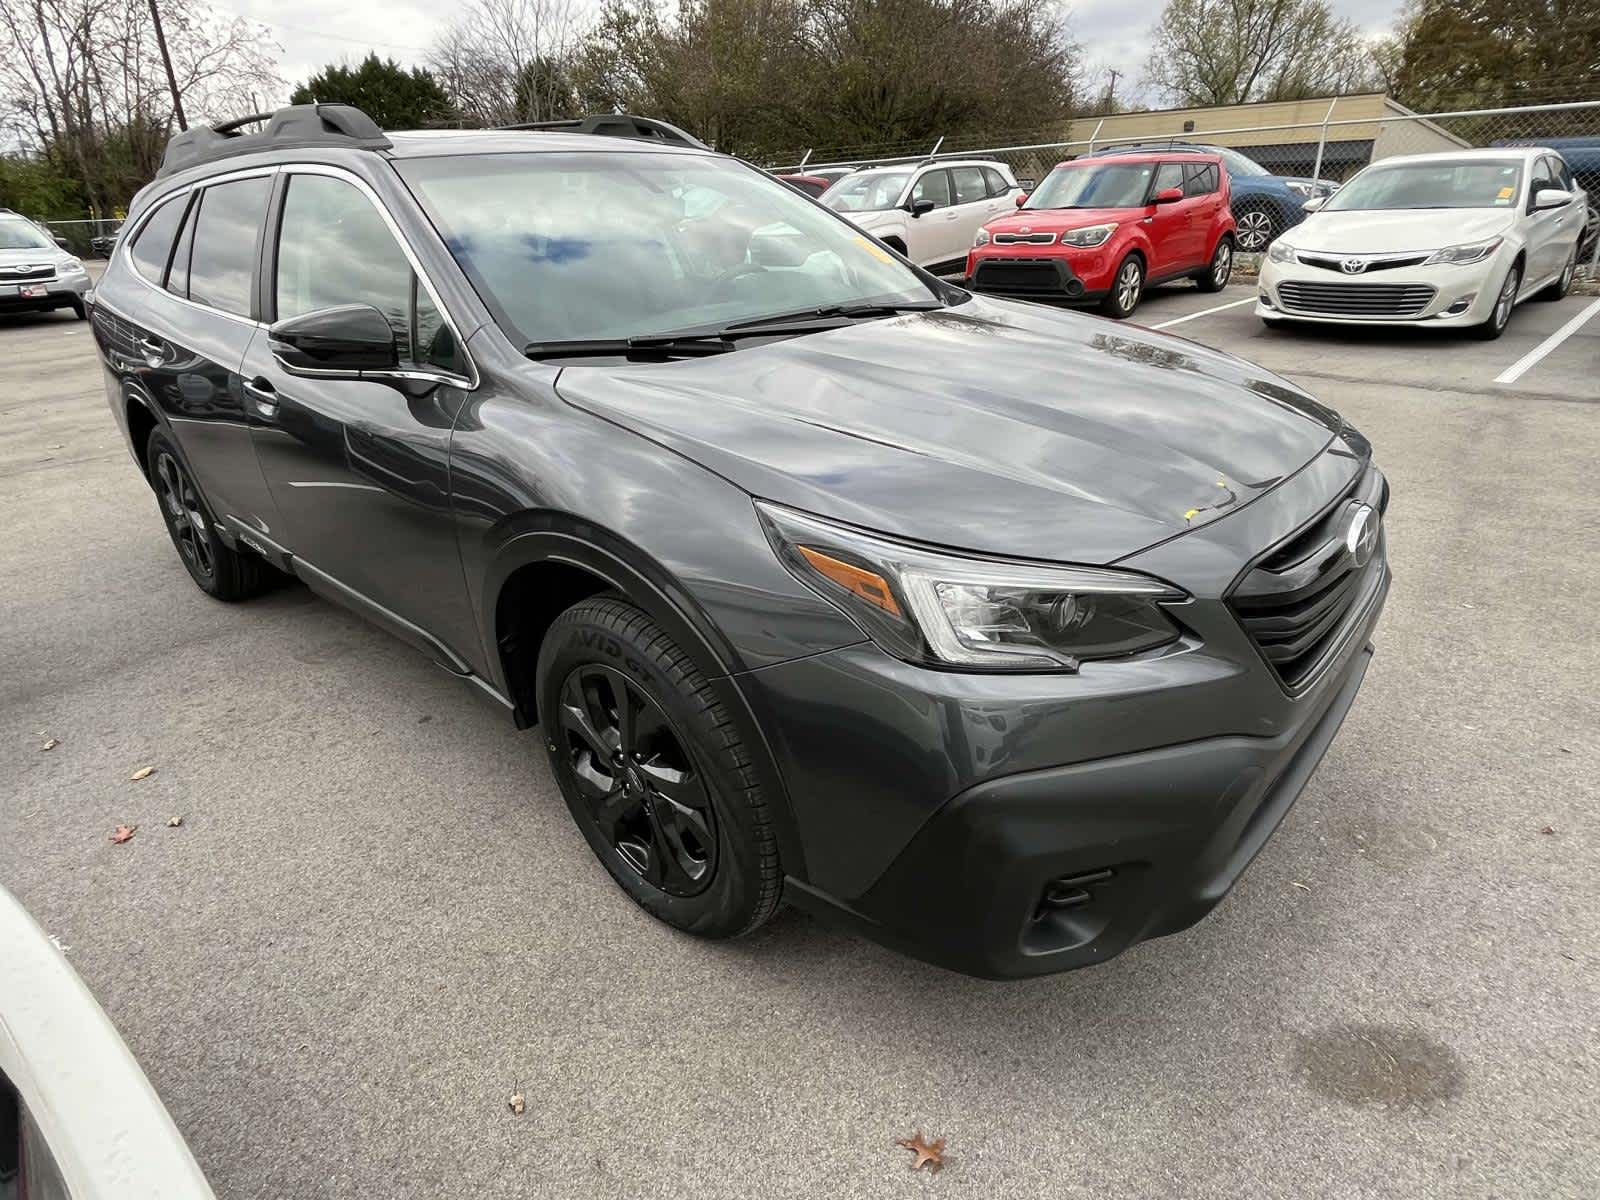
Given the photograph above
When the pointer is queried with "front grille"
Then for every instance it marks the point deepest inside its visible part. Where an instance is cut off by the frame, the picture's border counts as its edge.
(23, 274)
(1297, 601)
(1335, 263)
(1025, 276)
(1024, 239)
(1355, 299)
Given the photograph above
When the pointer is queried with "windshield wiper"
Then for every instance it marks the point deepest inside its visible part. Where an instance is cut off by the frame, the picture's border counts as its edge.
(807, 318)
(671, 345)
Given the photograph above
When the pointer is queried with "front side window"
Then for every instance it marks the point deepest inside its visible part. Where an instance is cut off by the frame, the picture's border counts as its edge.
(1437, 184)
(153, 246)
(222, 263)
(1168, 175)
(578, 246)
(867, 191)
(1094, 183)
(933, 185)
(329, 221)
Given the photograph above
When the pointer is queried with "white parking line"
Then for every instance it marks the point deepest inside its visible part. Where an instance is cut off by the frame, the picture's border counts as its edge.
(1526, 363)
(1204, 312)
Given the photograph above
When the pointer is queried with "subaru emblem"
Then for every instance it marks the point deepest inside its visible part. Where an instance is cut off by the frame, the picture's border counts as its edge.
(1361, 536)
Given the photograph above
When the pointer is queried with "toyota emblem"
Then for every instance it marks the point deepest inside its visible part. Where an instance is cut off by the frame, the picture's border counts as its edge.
(1352, 266)
(1361, 537)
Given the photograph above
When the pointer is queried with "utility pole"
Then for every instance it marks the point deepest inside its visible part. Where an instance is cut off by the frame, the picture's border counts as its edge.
(166, 61)
(1111, 87)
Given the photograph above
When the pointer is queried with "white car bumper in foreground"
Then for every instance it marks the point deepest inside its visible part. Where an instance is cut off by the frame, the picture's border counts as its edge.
(1387, 292)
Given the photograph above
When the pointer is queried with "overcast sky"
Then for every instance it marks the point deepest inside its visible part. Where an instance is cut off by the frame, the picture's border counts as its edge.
(1114, 33)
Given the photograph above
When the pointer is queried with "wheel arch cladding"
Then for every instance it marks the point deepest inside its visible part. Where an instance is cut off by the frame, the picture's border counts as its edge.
(141, 424)
(543, 571)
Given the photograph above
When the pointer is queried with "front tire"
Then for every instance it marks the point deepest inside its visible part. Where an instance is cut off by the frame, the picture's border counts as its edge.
(1505, 301)
(1220, 270)
(654, 772)
(1255, 227)
(1127, 285)
(1563, 283)
(219, 572)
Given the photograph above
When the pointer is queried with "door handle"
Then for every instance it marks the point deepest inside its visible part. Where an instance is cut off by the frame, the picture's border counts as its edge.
(265, 396)
(151, 348)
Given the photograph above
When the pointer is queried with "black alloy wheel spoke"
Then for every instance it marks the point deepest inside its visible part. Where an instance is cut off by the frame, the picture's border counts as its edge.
(634, 775)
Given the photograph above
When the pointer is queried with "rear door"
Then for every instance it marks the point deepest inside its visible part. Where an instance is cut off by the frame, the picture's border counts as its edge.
(974, 206)
(1167, 224)
(359, 467)
(175, 327)
(1202, 201)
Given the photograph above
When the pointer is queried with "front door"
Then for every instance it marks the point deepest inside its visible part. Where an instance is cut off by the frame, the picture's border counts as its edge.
(932, 237)
(1167, 224)
(360, 467)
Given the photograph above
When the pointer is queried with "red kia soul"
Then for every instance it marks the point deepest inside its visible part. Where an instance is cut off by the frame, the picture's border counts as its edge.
(1099, 229)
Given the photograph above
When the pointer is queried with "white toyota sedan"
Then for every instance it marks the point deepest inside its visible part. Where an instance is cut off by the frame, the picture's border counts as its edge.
(1451, 240)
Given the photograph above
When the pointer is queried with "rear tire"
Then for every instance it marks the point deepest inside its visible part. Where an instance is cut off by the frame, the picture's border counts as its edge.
(1563, 283)
(654, 772)
(1220, 269)
(217, 570)
(1500, 314)
(1127, 286)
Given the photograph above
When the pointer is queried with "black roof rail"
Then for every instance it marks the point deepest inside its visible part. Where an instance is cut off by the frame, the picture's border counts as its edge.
(626, 125)
(297, 127)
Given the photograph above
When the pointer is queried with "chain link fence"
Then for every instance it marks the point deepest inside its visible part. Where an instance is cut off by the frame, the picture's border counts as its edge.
(85, 238)
(1274, 169)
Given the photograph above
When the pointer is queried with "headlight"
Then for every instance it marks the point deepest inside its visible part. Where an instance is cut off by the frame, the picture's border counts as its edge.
(981, 238)
(926, 606)
(1089, 235)
(1474, 252)
(1280, 251)
(1304, 190)
(74, 265)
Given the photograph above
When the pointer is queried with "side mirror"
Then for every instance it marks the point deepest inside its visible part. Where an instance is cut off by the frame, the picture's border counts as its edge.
(347, 340)
(918, 207)
(1551, 197)
(1314, 203)
(1169, 195)
(1022, 198)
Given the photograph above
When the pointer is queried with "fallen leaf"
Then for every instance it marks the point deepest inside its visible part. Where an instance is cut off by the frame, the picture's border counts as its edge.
(1304, 887)
(51, 744)
(122, 833)
(930, 1153)
(1548, 829)
(174, 821)
(143, 773)
(517, 1104)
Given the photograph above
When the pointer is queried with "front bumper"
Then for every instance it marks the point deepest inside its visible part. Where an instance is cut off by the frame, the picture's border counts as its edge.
(63, 291)
(1006, 826)
(1457, 296)
(1040, 273)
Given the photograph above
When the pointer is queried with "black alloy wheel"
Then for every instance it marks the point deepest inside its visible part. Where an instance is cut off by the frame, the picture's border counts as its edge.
(186, 519)
(644, 793)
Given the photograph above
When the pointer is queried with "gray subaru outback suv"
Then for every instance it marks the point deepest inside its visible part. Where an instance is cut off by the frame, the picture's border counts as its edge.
(1002, 634)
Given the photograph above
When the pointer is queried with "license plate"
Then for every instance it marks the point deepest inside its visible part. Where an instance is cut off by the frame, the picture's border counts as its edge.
(32, 292)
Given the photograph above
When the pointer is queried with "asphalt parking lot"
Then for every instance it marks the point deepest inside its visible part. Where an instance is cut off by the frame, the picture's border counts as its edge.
(377, 921)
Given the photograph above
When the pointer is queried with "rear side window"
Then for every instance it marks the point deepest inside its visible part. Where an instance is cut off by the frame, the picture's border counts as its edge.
(1199, 179)
(178, 272)
(222, 263)
(970, 187)
(996, 181)
(153, 246)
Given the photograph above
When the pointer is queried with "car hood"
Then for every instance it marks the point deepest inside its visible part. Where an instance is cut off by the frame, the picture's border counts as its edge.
(992, 426)
(1055, 220)
(1367, 231)
(38, 256)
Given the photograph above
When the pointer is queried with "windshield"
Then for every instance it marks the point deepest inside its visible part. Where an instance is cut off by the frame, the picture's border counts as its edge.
(1430, 185)
(866, 191)
(23, 235)
(593, 246)
(1102, 185)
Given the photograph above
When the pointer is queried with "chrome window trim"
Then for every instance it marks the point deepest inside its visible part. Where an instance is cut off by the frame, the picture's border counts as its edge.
(472, 379)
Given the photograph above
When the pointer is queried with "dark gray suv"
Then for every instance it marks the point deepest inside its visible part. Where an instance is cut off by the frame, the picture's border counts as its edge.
(1004, 634)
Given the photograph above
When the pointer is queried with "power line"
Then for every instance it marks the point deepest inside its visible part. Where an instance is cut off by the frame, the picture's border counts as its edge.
(335, 37)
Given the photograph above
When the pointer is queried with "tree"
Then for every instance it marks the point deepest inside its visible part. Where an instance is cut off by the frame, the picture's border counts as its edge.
(1455, 54)
(388, 93)
(36, 187)
(1214, 52)
(504, 61)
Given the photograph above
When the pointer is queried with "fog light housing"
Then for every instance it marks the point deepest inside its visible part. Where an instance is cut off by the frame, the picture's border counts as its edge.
(1460, 306)
(1266, 300)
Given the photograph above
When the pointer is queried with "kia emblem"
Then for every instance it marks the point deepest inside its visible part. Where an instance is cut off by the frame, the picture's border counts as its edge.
(1026, 229)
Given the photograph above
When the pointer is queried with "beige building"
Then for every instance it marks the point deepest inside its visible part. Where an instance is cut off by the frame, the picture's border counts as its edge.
(1282, 135)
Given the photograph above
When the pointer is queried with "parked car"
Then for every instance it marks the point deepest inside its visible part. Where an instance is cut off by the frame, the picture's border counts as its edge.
(831, 174)
(927, 211)
(36, 274)
(1007, 639)
(78, 1118)
(1455, 241)
(1104, 229)
(104, 243)
(1264, 204)
(808, 185)
(1581, 157)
